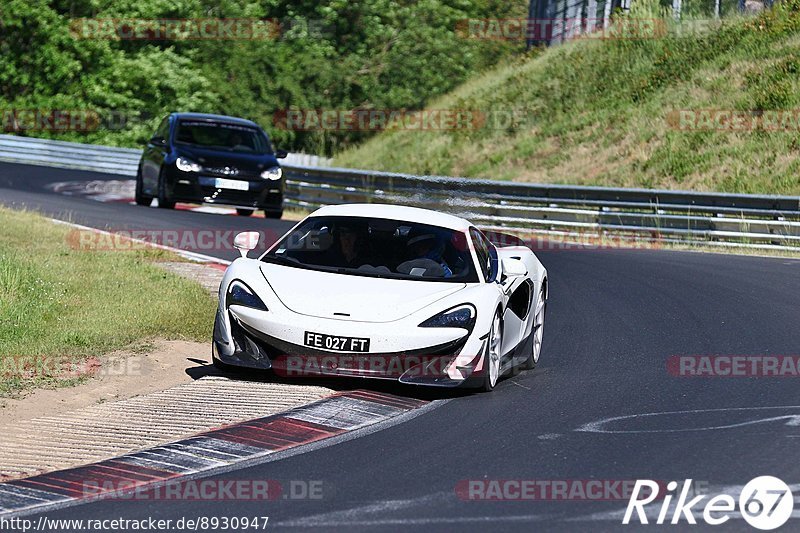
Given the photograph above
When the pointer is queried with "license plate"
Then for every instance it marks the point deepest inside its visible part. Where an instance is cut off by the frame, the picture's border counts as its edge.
(336, 343)
(238, 185)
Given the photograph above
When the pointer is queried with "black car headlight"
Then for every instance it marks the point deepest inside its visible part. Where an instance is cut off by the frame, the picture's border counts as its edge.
(241, 294)
(187, 165)
(272, 174)
(462, 316)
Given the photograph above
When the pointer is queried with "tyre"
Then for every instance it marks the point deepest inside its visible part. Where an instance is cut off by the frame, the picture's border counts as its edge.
(139, 196)
(537, 334)
(163, 201)
(244, 212)
(274, 214)
(493, 354)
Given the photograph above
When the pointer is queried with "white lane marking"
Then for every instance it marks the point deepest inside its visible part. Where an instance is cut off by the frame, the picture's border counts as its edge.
(549, 436)
(598, 426)
(360, 515)
(418, 521)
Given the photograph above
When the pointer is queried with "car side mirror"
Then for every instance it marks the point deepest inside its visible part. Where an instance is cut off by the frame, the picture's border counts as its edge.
(512, 268)
(246, 241)
(159, 141)
(281, 154)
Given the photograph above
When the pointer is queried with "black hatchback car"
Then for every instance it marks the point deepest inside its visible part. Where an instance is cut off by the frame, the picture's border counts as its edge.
(213, 159)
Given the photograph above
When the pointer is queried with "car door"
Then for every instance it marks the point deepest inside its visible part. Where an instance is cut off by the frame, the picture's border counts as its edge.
(153, 157)
(516, 293)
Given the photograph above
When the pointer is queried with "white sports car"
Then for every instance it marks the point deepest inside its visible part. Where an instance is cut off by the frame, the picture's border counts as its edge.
(387, 292)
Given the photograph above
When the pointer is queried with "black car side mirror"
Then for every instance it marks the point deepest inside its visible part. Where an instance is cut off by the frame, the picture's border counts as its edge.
(281, 154)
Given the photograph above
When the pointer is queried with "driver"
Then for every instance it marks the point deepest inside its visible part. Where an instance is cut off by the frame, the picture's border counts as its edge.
(428, 246)
(348, 249)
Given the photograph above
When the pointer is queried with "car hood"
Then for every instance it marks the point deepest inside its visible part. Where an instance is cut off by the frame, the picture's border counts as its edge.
(223, 158)
(355, 298)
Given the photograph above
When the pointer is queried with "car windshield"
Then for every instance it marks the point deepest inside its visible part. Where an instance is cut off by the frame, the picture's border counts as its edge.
(222, 136)
(377, 247)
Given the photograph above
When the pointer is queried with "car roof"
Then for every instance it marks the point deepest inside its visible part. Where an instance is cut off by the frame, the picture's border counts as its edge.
(216, 118)
(395, 212)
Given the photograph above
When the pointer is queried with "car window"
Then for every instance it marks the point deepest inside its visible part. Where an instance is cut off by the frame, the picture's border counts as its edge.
(163, 129)
(377, 247)
(482, 251)
(486, 253)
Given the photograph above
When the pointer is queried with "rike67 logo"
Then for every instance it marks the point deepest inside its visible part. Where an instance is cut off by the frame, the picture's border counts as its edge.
(765, 503)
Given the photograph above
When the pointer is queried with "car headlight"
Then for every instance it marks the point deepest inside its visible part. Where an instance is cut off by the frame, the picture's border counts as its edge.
(462, 316)
(274, 174)
(187, 165)
(241, 294)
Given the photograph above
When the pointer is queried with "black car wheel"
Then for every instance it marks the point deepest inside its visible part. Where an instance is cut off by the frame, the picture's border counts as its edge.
(244, 212)
(274, 214)
(139, 196)
(534, 343)
(163, 201)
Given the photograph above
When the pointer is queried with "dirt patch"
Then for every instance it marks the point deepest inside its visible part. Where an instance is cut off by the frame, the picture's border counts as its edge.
(122, 375)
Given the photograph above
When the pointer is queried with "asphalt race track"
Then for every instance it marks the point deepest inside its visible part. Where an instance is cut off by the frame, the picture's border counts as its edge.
(614, 319)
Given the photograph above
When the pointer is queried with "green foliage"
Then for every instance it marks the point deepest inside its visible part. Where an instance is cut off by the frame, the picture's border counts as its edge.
(331, 54)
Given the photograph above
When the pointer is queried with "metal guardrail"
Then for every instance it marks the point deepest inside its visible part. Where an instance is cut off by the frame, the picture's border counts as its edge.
(108, 159)
(569, 212)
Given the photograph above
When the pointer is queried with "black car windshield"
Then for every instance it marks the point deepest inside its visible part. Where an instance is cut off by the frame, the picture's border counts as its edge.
(222, 136)
(377, 247)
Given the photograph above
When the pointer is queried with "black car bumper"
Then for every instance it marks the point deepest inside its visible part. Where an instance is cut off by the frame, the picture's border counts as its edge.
(251, 349)
(200, 188)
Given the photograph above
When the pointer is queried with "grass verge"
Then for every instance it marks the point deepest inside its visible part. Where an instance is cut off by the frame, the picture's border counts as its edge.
(603, 112)
(60, 306)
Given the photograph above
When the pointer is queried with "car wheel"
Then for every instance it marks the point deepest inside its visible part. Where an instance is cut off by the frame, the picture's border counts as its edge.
(537, 334)
(493, 354)
(139, 196)
(274, 214)
(163, 202)
(244, 212)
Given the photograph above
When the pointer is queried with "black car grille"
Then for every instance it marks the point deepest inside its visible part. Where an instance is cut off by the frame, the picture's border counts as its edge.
(230, 172)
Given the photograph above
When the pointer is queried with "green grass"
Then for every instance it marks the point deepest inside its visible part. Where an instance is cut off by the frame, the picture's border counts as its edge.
(596, 112)
(69, 305)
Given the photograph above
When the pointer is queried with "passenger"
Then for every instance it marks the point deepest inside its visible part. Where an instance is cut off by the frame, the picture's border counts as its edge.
(428, 246)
